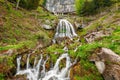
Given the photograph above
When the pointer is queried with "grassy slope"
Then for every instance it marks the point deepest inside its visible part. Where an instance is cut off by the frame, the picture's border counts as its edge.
(20, 27)
(111, 21)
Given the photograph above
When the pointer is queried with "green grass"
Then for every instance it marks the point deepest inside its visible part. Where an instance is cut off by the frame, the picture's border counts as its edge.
(20, 28)
(55, 48)
(2, 76)
(27, 44)
(90, 77)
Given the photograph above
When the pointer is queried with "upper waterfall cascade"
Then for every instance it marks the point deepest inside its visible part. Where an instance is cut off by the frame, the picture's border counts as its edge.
(64, 29)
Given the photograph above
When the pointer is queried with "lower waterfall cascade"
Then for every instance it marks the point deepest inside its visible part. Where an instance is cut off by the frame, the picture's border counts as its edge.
(35, 72)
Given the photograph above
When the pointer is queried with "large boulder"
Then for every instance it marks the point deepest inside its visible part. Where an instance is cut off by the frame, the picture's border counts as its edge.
(107, 63)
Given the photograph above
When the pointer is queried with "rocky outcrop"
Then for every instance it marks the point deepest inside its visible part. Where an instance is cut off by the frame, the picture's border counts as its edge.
(79, 26)
(47, 27)
(91, 37)
(107, 63)
(60, 6)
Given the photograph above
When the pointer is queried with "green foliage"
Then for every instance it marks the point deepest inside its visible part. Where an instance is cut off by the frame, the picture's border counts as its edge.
(101, 3)
(8, 61)
(112, 41)
(79, 6)
(84, 50)
(77, 77)
(53, 57)
(87, 64)
(54, 48)
(42, 2)
(72, 53)
(87, 7)
(91, 77)
(27, 4)
(17, 46)
(2, 76)
(40, 35)
(14, 12)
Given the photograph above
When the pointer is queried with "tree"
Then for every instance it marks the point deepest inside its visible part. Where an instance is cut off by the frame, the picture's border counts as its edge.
(84, 7)
(88, 7)
(18, 1)
(101, 3)
(27, 4)
(79, 6)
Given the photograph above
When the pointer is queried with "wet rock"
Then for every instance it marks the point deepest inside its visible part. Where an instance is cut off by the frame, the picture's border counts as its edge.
(47, 27)
(18, 78)
(79, 26)
(47, 22)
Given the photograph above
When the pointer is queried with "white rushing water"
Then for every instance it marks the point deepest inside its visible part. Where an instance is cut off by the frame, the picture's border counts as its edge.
(39, 72)
(64, 29)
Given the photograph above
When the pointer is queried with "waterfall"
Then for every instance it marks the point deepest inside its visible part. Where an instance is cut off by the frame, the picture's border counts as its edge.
(64, 29)
(18, 64)
(39, 72)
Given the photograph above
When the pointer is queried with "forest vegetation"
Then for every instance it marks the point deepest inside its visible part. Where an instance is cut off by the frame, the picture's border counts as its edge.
(22, 32)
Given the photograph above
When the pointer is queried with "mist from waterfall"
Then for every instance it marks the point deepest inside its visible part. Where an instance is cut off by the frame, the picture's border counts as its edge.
(39, 72)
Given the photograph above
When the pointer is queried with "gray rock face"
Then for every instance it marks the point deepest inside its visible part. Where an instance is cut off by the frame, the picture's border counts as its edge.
(60, 6)
(111, 70)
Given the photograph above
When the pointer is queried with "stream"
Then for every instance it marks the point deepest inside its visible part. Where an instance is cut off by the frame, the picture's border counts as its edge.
(38, 71)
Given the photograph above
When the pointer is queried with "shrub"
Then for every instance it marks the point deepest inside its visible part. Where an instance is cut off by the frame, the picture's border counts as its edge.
(84, 7)
(79, 6)
(27, 4)
(101, 3)
(42, 2)
(88, 7)
(2, 76)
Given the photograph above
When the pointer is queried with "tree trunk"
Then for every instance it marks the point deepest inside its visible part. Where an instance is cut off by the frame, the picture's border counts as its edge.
(18, 1)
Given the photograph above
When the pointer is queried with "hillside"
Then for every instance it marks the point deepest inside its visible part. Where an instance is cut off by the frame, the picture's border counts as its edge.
(19, 27)
(22, 32)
